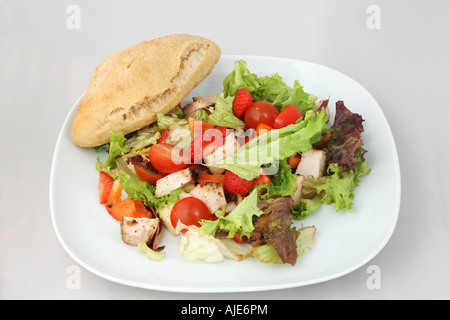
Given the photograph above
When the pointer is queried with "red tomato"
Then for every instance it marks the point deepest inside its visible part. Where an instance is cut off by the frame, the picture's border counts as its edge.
(287, 116)
(190, 211)
(118, 207)
(147, 175)
(260, 112)
(167, 158)
(294, 160)
(105, 184)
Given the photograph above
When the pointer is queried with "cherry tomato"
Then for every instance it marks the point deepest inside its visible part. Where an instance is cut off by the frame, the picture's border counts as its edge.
(147, 175)
(190, 211)
(288, 116)
(167, 158)
(260, 112)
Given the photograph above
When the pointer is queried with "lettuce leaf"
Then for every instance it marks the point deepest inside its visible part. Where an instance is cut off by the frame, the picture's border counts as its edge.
(223, 115)
(275, 145)
(305, 207)
(117, 148)
(284, 183)
(141, 190)
(269, 88)
(239, 220)
(339, 185)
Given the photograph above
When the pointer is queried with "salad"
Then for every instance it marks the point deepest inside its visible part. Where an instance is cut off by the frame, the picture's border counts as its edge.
(229, 174)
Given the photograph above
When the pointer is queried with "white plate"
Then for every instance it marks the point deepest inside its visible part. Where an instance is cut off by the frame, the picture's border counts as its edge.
(345, 241)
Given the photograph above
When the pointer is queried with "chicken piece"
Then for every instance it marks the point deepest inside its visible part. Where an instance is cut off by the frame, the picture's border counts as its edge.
(197, 105)
(211, 194)
(229, 147)
(312, 163)
(136, 230)
(172, 182)
(296, 195)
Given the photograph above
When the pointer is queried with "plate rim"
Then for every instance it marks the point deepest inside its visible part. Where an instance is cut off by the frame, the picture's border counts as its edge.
(224, 289)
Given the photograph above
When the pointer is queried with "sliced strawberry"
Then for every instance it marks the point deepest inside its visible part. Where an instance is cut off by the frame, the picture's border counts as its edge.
(235, 184)
(105, 184)
(242, 100)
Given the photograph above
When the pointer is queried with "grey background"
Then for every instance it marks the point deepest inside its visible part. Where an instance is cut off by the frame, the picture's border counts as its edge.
(45, 67)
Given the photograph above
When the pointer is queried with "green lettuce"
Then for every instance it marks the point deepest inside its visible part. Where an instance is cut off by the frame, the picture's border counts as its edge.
(239, 220)
(269, 88)
(141, 190)
(284, 183)
(339, 185)
(275, 145)
(305, 207)
(117, 148)
(223, 115)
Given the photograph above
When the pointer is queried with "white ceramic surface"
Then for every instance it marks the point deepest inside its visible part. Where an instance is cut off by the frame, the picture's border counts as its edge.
(345, 241)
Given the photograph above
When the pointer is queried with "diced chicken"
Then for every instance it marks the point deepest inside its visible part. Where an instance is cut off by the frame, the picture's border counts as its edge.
(312, 163)
(172, 182)
(296, 195)
(136, 230)
(197, 105)
(227, 149)
(211, 194)
(205, 98)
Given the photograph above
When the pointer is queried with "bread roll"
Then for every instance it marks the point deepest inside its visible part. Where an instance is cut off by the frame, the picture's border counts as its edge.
(129, 87)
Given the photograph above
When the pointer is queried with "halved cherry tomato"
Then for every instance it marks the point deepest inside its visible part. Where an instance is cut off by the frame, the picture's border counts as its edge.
(118, 207)
(147, 175)
(288, 116)
(205, 177)
(260, 112)
(262, 128)
(167, 158)
(105, 184)
(190, 211)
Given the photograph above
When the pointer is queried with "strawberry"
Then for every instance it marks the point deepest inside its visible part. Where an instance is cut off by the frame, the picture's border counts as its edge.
(242, 100)
(235, 184)
(104, 186)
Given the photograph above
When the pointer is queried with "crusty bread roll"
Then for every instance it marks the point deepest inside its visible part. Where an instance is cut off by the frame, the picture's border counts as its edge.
(130, 86)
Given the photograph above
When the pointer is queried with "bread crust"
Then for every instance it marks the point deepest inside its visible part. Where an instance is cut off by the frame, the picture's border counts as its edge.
(129, 87)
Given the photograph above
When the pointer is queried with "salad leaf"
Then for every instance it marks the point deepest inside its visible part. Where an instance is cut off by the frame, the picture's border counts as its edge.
(239, 220)
(141, 190)
(284, 183)
(223, 115)
(151, 254)
(339, 185)
(267, 254)
(306, 239)
(269, 88)
(305, 207)
(239, 78)
(273, 89)
(345, 144)
(275, 145)
(117, 148)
